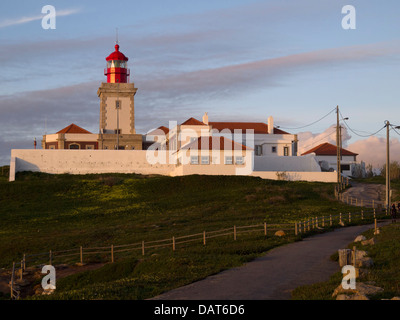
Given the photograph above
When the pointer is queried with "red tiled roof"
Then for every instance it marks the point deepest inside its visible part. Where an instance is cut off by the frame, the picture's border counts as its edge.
(215, 143)
(327, 149)
(193, 122)
(159, 131)
(258, 127)
(73, 128)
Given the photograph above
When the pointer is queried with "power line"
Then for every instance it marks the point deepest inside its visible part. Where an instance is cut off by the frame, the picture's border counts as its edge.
(360, 135)
(310, 123)
(394, 129)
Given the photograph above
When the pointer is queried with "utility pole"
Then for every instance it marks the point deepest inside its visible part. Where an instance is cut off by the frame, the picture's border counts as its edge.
(338, 146)
(117, 106)
(387, 168)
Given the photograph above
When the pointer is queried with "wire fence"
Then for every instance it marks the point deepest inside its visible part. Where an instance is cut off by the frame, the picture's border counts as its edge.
(108, 253)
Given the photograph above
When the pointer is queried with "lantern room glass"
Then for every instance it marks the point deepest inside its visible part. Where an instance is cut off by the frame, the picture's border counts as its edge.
(117, 64)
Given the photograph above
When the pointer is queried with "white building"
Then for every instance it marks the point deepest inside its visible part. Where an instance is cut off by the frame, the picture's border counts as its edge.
(326, 155)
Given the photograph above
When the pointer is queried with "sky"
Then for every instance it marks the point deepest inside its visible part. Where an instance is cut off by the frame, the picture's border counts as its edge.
(237, 60)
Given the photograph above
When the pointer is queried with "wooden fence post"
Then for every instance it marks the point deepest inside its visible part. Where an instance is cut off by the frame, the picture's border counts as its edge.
(204, 238)
(375, 227)
(323, 221)
(22, 264)
(265, 229)
(173, 243)
(373, 204)
(12, 280)
(295, 228)
(142, 248)
(234, 232)
(112, 253)
(330, 219)
(349, 217)
(81, 254)
(374, 214)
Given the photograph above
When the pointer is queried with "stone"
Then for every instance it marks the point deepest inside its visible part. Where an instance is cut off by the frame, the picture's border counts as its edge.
(369, 242)
(360, 254)
(365, 262)
(47, 292)
(360, 238)
(280, 233)
(361, 292)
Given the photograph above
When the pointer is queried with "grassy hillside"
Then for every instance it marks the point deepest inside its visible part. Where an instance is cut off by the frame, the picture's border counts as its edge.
(41, 212)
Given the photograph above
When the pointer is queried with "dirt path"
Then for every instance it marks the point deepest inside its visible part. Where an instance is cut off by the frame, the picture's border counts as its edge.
(274, 275)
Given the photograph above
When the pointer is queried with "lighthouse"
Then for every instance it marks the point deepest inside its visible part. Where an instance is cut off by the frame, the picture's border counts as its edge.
(117, 67)
(117, 106)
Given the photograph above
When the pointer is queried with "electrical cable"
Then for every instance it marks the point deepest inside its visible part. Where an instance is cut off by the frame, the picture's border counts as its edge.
(360, 135)
(310, 123)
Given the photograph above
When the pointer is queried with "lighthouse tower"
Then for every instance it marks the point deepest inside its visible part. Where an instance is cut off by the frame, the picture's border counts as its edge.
(117, 108)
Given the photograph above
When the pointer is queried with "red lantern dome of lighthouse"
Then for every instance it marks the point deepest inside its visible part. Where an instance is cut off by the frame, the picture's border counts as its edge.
(117, 67)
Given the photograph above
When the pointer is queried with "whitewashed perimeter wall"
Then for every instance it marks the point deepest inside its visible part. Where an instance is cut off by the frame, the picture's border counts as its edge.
(296, 164)
(297, 176)
(84, 162)
(130, 161)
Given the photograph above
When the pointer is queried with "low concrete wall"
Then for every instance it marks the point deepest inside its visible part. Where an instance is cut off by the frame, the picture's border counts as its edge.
(297, 176)
(138, 161)
(85, 161)
(295, 164)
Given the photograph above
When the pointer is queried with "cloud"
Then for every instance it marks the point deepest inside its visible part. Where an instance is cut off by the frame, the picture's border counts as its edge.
(309, 140)
(22, 20)
(373, 150)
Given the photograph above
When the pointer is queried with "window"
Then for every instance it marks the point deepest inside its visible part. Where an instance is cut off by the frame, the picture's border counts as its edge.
(90, 147)
(273, 149)
(205, 160)
(258, 150)
(228, 160)
(74, 146)
(117, 131)
(239, 160)
(345, 167)
(118, 104)
(194, 160)
(285, 151)
(52, 147)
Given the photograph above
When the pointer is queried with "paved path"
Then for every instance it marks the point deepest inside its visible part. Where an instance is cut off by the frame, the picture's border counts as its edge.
(274, 275)
(367, 192)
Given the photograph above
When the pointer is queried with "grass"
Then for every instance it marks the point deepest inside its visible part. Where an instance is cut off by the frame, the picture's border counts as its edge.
(385, 273)
(58, 212)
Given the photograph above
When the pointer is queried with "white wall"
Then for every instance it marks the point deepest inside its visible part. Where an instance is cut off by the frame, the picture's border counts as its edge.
(138, 161)
(86, 161)
(273, 163)
(297, 176)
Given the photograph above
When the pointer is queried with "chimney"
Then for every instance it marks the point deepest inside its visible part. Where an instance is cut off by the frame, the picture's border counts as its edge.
(205, 118)
(270, 125)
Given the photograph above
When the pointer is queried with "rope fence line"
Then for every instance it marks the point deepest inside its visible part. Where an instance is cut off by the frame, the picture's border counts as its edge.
(296, 228)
